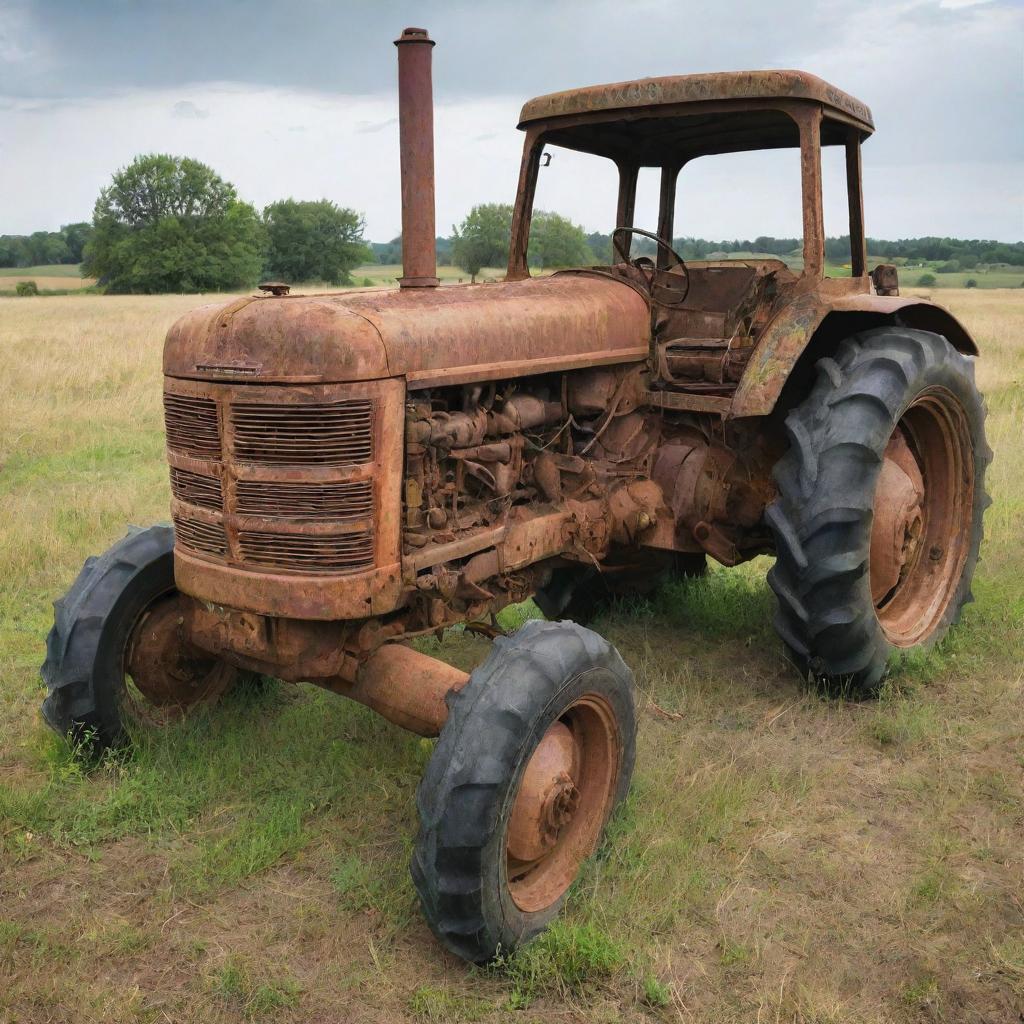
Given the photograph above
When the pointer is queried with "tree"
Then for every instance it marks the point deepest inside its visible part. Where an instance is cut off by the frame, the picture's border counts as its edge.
(45, 248)
(171, 224)
(314, 241)
(482, 239)
(926, 281)
(556, 242)
(75, 237)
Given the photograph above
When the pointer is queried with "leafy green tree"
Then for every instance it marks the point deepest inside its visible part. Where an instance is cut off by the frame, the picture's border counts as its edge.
(926, 280)
(75, 237)
(482, 239)
(314, 241)
(10, 250)
(556, 242)
(388, 252)
(171, 224)
(45, 247)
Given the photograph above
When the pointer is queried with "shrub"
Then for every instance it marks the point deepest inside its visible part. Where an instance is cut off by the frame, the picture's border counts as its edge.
(25, 288)
(971, 283)
(926, 280)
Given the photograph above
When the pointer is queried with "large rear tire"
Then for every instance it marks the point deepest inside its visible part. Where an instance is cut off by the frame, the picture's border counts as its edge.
(537, 752)
(878, 520)
(117, 653)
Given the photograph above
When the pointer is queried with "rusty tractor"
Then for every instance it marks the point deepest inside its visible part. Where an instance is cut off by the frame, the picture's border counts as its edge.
(350, 471)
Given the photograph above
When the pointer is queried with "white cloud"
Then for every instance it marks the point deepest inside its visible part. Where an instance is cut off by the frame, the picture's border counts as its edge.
(188, 110)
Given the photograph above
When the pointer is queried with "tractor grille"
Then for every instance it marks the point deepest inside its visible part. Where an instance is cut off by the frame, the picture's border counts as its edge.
(345, 500)
(277, 480)
(192, 425)
(322, 434)
(349, 552)
(209, 538)
(199, 490)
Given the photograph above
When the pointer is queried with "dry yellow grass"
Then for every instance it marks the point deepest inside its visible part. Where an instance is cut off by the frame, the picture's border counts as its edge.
(784, 858)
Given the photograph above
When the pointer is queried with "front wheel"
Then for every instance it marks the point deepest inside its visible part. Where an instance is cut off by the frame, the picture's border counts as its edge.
(878, 521)
(536, 753)
(117, 652)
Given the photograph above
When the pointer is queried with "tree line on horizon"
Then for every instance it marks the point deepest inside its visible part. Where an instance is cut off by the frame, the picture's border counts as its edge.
(172, 224)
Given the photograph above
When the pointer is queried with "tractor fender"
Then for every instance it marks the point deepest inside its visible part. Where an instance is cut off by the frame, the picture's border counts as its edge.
(809, 323)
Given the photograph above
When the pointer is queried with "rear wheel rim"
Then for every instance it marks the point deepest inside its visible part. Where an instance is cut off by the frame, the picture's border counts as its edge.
(565, 796)
(922, 515)
(165, 678)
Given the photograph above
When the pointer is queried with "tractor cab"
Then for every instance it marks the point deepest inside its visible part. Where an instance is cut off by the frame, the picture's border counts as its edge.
(707, 315)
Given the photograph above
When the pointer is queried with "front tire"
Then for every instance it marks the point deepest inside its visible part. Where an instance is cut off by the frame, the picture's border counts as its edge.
(117, 652)
(537, 752)
(878, 520)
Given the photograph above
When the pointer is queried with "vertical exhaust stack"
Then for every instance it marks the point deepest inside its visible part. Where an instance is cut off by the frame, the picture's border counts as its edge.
(416, 131)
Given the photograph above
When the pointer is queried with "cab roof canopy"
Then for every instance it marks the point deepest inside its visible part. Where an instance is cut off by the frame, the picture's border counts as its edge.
(655, 122)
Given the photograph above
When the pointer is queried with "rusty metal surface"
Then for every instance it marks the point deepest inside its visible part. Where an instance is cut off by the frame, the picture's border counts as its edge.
(739, 86)
(169, 676)
(789, 333)
(294, 339)
(285, 500)
(429, 336)
(886, 279)
(565, 796)
(407, 688)
(921, 530)
(416, 134)
(897, 517)
(547, 797)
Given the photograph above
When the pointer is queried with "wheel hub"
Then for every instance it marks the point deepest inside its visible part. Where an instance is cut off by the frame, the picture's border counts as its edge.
(168, 674)
(920, 537)
(548, 797)
(898, 522)
(566, 793)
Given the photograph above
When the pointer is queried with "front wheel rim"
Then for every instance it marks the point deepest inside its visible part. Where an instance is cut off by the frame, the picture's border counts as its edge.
(164, 677)
(922, 515)
(565, 796)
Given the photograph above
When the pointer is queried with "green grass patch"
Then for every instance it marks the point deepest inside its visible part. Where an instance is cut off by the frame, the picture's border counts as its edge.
(244, 786)
(234, 983)
(565, 960)
(71, 270)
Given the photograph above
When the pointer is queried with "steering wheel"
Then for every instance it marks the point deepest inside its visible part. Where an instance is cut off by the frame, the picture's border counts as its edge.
(668, 286)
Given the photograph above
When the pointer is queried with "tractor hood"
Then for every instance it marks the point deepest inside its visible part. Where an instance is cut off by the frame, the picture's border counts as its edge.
(429, 336)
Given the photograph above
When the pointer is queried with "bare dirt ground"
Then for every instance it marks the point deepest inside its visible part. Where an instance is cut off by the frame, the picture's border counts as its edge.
(783, 857)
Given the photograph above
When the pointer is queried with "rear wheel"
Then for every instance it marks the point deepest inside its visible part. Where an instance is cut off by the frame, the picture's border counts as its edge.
(881, 495)
(117, 652)
(536, 753)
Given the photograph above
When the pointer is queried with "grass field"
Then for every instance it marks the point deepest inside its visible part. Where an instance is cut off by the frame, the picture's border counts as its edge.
(53, 278)
(64, 270)
(784, 858)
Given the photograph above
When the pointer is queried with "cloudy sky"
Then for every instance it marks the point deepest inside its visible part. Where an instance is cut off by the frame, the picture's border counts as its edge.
(299, 99)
